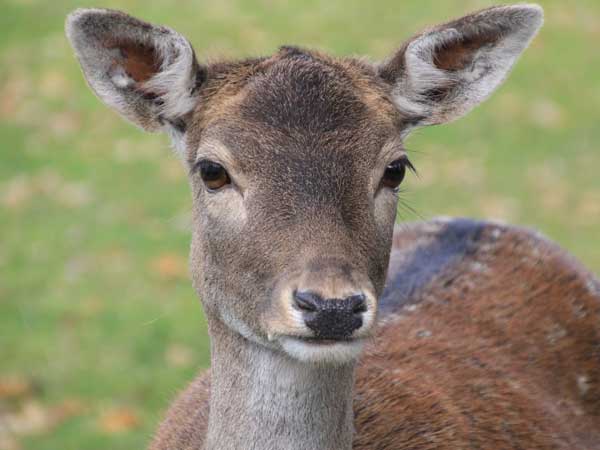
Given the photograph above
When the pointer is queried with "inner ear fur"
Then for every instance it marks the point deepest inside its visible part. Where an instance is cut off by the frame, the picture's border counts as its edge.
(458, 54)
(148, 73)
(139, 61)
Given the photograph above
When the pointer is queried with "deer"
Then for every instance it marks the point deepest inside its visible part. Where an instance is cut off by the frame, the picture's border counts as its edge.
(331, 327)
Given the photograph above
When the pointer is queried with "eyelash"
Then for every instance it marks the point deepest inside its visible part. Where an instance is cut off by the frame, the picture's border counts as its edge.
(395, 173)
(409, 164)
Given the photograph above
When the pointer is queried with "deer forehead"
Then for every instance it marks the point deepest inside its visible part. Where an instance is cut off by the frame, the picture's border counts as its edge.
(294, 106)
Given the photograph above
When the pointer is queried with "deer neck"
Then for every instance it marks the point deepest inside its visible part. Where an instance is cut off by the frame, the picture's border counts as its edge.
(262, 399)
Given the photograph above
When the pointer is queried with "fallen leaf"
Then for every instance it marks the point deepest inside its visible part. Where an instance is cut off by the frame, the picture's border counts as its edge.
(16, 192)
(588, 208)
(178, 355)
(8, 442)
(21, 189)
(548, 180)
(546, 113)
(74, 195)
(14, 88)
(13, 387)
(54, 84)
(170, 266)
(119, 420)
(63, 123)
(31, 418)
(504, 209)
(68, 408)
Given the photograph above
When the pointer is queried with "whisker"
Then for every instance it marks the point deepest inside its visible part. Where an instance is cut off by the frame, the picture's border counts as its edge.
(403, 203)
(412, 210)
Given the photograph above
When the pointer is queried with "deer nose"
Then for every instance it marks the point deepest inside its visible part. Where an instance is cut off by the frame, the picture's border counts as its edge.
(331, 318)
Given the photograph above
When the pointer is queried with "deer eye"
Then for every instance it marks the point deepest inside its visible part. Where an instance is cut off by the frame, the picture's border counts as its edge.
(213, 174)
(394, 173)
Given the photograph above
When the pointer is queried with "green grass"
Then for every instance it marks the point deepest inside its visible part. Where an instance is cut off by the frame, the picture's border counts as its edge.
(97, 315)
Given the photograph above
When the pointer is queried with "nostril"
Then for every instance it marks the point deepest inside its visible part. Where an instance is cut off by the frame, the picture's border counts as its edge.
(358, 303)
(331, 318)
(307, 301)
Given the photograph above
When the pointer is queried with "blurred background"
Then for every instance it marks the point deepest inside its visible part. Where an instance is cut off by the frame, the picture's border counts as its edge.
(99, 325)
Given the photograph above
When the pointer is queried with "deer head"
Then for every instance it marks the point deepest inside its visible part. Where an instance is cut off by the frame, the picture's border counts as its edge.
(295, 160)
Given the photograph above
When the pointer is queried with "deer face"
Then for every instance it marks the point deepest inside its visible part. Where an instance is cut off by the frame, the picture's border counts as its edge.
(296, 232)
(295, 160)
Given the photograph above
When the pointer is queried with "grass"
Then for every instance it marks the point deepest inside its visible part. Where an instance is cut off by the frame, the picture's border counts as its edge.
(99, 326)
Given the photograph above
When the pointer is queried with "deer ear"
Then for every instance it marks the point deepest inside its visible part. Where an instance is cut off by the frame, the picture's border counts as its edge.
(148, 73)
(442, 73)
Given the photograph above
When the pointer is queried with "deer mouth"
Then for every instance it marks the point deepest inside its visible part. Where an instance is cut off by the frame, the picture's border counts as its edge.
(322, 351)
(325, 341)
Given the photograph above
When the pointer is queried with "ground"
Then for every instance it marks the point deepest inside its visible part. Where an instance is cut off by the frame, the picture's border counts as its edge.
(99, 326)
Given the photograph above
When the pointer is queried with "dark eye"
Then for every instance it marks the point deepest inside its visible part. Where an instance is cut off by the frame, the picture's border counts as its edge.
(213, 174)
(394, 173)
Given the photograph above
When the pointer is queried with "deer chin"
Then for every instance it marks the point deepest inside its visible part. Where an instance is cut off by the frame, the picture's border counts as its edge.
(322, 351)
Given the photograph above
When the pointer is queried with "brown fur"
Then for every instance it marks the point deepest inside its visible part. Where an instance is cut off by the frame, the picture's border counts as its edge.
(500, 350)
(140, 62)
(458, 55)
(488, 336)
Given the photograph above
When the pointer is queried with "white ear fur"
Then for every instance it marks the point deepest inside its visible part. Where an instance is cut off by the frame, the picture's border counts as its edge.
(484, 46)
(109, 43)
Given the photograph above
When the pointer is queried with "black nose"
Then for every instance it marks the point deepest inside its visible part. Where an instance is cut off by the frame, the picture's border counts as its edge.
(332, 318)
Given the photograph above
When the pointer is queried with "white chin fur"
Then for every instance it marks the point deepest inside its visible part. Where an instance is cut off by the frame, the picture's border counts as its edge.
(339, 352)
